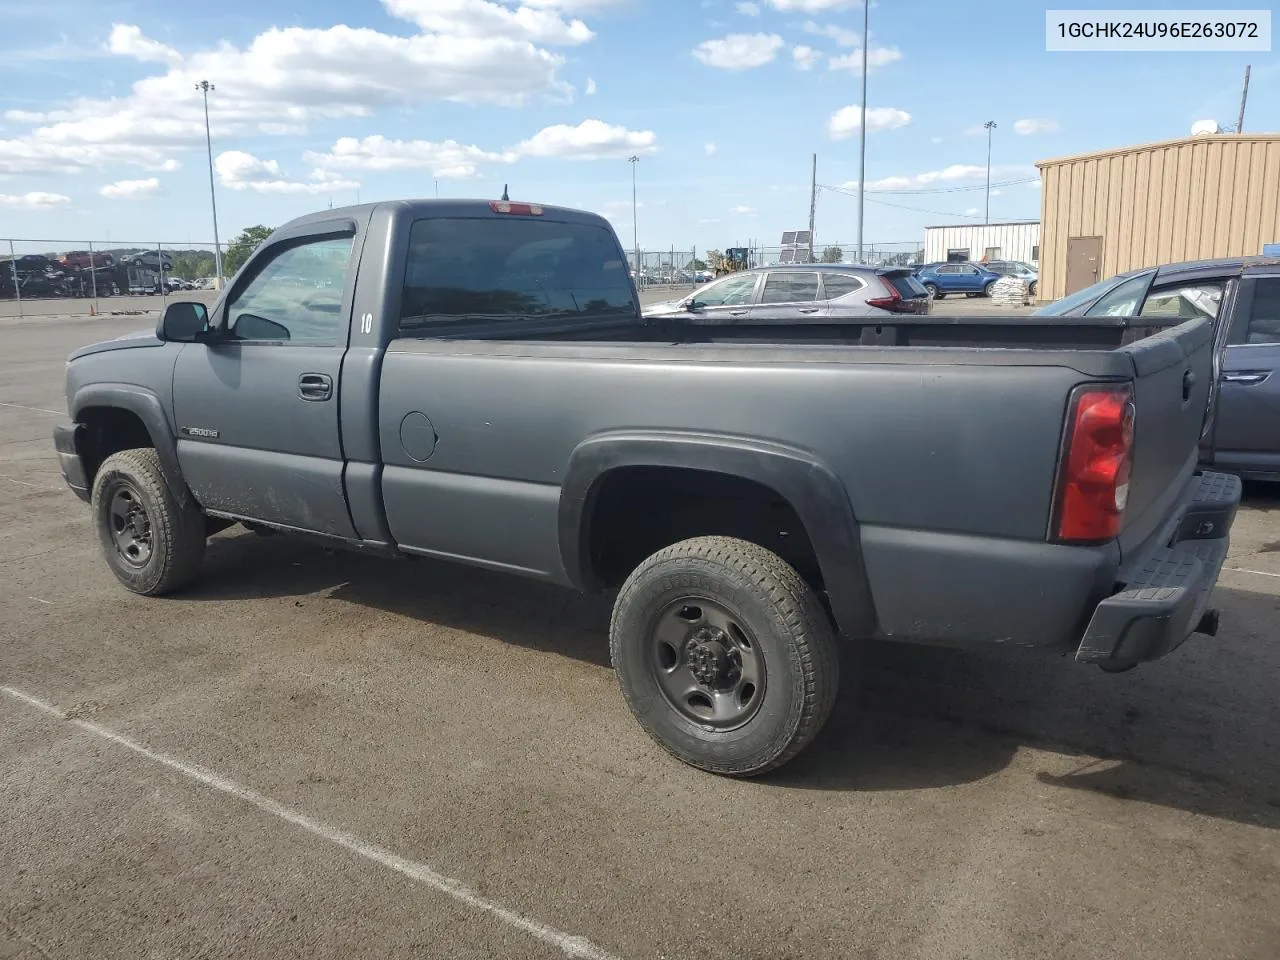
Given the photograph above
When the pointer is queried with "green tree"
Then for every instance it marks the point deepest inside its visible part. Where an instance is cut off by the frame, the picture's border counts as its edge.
(241, 248)
(832, 255)
(696, 264)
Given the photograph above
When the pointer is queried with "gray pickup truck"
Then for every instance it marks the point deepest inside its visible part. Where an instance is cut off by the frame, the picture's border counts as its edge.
(474, 381)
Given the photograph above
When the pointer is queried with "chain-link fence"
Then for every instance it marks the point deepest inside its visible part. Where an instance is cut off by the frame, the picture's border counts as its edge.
(42, 277)
(46, 277)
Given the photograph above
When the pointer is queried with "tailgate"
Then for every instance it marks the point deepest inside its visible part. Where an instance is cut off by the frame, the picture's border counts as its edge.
(1173, 376)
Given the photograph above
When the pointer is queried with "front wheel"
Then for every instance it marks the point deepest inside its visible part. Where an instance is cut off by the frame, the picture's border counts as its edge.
(986, 291)
(725, 655)
(152, 542)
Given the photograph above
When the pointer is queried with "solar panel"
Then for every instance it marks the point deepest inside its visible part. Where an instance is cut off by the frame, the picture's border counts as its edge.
(803, 237)
(789, 238)
(787, 256)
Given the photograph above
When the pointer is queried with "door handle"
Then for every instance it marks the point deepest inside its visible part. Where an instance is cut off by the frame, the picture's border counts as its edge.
(808, 309)
(315, 386)
(737, 313)
(1246, 379)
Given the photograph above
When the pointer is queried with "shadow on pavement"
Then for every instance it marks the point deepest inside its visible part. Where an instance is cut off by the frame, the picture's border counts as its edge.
(1196, 731)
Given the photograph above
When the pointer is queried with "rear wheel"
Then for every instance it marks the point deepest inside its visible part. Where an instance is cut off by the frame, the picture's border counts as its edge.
(725, 655)
(934, 291)
(152, 542)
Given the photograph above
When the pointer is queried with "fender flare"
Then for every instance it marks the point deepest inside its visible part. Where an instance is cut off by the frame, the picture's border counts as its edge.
(811, 488)
(146, 406)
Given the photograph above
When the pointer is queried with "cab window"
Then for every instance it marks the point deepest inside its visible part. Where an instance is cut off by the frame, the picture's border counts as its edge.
(296, 296)
(1264, 318)
(789, 287)
(730, 292)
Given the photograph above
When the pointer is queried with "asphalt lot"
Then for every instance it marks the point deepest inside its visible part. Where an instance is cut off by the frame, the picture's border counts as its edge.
(318, 755)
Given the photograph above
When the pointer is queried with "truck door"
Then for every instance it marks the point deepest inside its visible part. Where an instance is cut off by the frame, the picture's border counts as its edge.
(257, 412)
(1246, 434)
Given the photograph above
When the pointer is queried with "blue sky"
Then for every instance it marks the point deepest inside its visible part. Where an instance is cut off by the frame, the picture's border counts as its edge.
(102, 133)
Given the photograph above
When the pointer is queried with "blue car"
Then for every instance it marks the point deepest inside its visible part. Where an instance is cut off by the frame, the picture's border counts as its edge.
(969, 278)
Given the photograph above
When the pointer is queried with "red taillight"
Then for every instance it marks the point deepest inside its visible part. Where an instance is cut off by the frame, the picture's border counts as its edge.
(893, 302)
(1096, 462)
(519, 209)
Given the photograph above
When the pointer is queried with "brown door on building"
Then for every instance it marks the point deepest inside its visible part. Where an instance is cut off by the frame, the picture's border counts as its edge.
(1084, 262)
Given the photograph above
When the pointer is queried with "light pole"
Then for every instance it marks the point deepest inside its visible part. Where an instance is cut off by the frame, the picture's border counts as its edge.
(204, 86)
(862, 124)
(990, 125)
(635, 229)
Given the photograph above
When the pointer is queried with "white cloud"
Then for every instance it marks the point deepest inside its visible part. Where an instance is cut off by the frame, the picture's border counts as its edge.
(739, 51)
(36, 200)
(972, 212)
(131, 189)
(589, 140)
(482, 19)
(805, 57)
(935, 139)
(813, 6)
(977, 130)
(591, 87)
(127, 41)
(744, 211)
(710, 149)
(448, 159)
(1031, 126)
(748, 9)
(880, 57)
(997, 193)
(1036, 184)
(956, 173)
(844, 122)
(708, 220)
(243, 171)
(283, 79)
(842, 36)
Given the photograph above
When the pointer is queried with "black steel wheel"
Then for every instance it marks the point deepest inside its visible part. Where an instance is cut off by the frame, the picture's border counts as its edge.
(708, 667)
(152, 539)
(130, 524)
(725, 655)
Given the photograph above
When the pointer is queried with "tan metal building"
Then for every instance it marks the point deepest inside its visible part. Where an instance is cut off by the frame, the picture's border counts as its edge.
(1194, 198)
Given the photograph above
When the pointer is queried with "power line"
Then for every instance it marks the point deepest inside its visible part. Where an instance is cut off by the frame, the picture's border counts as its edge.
(913, 191)
(900, 206)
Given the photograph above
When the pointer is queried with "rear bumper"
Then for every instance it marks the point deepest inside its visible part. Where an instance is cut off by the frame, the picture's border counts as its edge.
(1166, 591)
(66, 438)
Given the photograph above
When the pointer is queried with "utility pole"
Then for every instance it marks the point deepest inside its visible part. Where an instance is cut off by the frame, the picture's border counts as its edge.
(813, 203)
(1244, 95)
(635, 229)
(204, 86)
(990, 125)
(862, 124)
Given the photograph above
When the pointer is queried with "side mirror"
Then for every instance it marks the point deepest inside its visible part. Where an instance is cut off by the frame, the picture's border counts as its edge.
(691, 304)
(183, 321)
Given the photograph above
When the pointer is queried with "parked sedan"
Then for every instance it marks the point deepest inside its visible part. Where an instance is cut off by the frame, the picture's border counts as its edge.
(1018, 270)
(1243, 297)
(800, 292)
(969, 278)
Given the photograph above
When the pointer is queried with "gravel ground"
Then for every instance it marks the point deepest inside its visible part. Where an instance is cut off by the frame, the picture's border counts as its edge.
(318, 755)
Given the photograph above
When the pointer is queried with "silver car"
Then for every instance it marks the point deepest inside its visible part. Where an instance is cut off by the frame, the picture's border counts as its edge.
(810, 291)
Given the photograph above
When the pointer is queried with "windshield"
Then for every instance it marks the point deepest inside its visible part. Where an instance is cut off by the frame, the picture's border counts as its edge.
(492, 269)
(1075, 302)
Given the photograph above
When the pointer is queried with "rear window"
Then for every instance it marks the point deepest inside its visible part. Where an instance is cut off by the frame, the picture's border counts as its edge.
(837, 285)
(786, 287)
(463, 273)
(906, 285)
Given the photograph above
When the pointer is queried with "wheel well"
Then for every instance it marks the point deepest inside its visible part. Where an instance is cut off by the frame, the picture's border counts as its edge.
(639, 510)
(109, 430)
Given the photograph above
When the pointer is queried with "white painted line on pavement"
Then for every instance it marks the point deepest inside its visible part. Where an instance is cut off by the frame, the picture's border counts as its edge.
(23, 406)
(37, 486)
(1259, 573)
(571, 945)
(38, 600)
